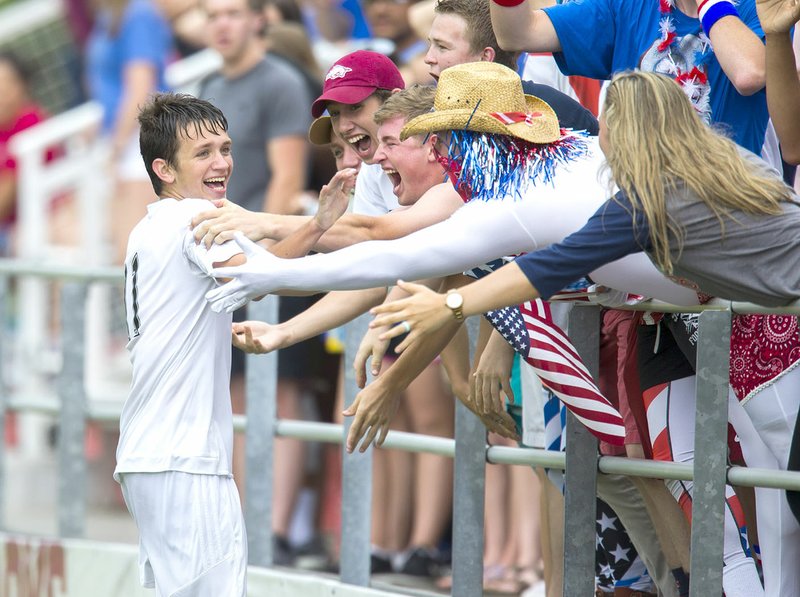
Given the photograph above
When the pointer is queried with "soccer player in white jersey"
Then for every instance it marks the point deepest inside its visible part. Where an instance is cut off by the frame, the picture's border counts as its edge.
(176, 428)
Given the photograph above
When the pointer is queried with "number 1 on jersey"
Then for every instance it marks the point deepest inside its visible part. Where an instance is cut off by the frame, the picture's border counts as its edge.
(132, 297)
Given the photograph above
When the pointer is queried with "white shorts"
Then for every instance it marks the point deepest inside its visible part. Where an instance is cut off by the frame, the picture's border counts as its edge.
(192, 538)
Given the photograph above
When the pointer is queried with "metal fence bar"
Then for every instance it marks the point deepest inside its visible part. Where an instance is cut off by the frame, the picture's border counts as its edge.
(469, 482)
(710, 453)
(72, 481)
(261, 373)
(618, 465)
(55, 271)
(580, 496)
(413, 442)
(354, 561)
(3, 397)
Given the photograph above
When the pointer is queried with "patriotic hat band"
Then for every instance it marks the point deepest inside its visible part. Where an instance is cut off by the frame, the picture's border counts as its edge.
(486, 97)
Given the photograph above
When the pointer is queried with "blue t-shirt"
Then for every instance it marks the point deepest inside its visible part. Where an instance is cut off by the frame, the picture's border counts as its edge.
(143, 36)
(360, 25)
(601, 37)
(610, 234)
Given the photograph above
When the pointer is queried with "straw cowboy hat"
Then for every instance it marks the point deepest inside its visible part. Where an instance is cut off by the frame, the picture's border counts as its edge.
(486, 97)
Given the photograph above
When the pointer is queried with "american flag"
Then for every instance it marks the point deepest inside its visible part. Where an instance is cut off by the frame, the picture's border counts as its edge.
(530, 329)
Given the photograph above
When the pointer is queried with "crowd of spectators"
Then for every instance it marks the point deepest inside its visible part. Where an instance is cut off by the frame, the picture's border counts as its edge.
(278, 56)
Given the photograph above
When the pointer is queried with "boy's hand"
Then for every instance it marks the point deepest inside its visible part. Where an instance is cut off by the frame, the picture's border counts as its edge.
(219, 225)
(257, 337)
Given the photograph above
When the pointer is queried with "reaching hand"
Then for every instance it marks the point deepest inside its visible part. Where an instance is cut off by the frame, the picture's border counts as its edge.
(373, 410)
(420, 314)
(500, 422)
(335, 197)
(254, 278)
(257, 337)
(492, 375)
(219, 225)
(372, 348)
(778, 16)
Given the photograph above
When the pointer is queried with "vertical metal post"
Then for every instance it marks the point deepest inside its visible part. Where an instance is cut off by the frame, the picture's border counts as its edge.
(469, 483)
(710, 453)
(261, 378)
(72, 480)
(580, 497)
(356, 478)
(3, 398)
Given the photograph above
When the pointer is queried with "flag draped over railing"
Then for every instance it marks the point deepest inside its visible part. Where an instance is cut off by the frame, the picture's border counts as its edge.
(530, 329)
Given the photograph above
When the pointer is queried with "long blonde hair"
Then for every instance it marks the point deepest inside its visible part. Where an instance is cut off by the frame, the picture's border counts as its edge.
(657, 141)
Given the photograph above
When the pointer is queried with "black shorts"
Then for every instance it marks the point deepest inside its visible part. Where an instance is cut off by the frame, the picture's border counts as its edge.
(666, 355)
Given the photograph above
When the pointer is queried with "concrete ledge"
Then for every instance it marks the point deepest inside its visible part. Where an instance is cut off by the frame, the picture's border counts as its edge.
(33, 566)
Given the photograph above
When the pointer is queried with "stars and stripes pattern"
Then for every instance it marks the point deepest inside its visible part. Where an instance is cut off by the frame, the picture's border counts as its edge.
(530, 329)
(617, 564)
(533, 333)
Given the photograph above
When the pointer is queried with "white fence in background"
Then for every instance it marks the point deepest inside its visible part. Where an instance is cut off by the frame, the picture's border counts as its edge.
(81, 171)
(78, 175)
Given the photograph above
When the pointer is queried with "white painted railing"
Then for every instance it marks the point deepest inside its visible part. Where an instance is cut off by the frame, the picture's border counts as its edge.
(78, 174)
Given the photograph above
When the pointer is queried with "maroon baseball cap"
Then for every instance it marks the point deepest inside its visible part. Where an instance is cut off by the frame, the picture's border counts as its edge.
(356, 76)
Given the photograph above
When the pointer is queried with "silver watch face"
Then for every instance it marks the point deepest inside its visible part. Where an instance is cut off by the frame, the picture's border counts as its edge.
(454, 300)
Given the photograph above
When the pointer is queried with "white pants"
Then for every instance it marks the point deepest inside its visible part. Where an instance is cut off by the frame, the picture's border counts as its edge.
(765, 424)
(670, 416)
(192, 539)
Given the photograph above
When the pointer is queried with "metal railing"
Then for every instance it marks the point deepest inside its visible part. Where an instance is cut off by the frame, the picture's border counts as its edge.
(710, 470)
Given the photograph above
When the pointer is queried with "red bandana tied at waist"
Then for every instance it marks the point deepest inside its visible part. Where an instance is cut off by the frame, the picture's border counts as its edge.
(763, 348)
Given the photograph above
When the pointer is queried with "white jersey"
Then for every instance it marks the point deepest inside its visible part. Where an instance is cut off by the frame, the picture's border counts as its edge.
(178, 414)
(374, 192)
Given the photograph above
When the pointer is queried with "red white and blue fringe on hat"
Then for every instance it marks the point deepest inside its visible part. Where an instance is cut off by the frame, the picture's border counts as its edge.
(486, 166)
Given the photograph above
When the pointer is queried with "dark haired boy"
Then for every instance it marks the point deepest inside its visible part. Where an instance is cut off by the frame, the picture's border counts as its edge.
(176, 428)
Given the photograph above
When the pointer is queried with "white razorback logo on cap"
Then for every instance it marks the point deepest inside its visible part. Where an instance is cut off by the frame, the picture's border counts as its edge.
(337, 72)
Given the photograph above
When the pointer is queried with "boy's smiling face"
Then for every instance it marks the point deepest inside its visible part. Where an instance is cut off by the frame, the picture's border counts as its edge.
(355, 124)
(202, 168)
(411, 165)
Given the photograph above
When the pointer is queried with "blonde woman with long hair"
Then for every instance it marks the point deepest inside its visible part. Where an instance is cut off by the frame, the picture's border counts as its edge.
(658, 150)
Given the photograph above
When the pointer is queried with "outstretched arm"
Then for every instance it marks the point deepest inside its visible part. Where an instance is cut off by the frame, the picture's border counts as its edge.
(783, 85)
(426, 311)
(332, 310)
(448, 247)
(220, 225)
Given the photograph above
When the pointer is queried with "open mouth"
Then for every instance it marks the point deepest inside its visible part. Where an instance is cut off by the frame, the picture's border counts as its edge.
(395, 178)
(215, 184)
(361, 143)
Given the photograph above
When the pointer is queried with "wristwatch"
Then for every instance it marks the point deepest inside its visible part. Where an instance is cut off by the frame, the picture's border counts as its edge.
(455, 302)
